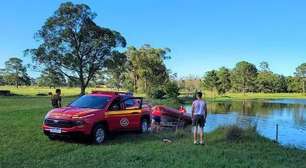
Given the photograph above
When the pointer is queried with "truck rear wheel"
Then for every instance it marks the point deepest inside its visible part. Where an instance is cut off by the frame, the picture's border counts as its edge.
(98, 134)
(144, 125)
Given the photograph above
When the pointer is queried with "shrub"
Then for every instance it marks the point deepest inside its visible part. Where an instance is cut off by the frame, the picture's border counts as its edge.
(234, 133)
(157, 93)
(172, 90)
(5, 92)
(41, 94)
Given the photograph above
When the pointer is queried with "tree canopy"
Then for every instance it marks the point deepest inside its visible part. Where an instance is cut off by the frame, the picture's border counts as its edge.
(74, 44)
(224, 80)
(147, 69)
(15, 72)
(210, 80)
(301, 73)
(244, 76)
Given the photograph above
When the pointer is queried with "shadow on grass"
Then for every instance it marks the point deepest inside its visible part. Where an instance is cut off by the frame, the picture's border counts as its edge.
(130, 137)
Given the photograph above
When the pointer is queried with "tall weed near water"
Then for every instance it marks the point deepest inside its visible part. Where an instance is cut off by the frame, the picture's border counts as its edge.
(235, 133)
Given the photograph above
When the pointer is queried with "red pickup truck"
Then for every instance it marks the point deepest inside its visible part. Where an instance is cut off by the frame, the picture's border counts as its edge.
(97, 114)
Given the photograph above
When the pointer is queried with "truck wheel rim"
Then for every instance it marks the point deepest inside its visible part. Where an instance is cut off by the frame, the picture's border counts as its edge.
(144, 126)
(99, 135)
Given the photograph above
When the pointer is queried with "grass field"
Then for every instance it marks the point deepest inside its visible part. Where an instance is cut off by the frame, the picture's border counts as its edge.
(66, 91)
(22, 144)
(33, 91)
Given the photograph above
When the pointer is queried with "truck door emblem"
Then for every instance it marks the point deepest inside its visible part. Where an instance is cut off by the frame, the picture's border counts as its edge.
(124, 122)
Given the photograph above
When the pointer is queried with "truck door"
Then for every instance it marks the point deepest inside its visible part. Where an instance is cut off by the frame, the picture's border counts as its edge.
(124, 114)
(113, 115)
(133, 107)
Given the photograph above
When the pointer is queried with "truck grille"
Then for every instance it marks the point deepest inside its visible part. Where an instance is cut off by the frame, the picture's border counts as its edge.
(59, 123)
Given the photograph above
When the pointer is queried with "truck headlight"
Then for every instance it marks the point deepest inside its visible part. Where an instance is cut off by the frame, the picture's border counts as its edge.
(79, 123)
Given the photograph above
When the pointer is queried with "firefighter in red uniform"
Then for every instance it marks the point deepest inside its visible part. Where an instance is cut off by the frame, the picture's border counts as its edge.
(182, 109)
(156, 118)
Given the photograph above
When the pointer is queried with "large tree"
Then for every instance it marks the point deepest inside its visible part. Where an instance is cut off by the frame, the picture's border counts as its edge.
(15, 72)
(2, 72)
(280, 84)
(264, 81)
(294, 84)
(301, 73)
(74, 44)
(210, 80)
(224, 80)
(269, 82)
(147, 68)
(117, 69)
(244, 76)
(264, 66)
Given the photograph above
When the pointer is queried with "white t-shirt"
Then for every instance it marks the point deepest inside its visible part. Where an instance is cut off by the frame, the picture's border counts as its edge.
(199, 107)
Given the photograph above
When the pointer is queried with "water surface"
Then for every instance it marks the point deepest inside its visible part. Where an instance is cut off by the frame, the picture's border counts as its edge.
(289, 114)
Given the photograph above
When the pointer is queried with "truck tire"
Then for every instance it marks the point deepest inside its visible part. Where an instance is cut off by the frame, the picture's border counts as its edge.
(98, 134)
(144, 125)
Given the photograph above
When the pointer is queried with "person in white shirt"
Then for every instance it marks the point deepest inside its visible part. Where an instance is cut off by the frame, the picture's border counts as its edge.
(199, 114)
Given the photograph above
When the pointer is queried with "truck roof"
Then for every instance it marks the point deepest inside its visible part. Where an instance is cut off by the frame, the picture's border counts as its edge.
(111, 93)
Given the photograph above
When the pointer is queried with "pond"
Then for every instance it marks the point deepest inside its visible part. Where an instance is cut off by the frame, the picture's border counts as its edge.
(289, 114)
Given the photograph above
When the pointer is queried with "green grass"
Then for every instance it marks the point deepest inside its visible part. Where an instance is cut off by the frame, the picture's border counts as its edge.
(22, 144)
(237, 96)
(66, 91)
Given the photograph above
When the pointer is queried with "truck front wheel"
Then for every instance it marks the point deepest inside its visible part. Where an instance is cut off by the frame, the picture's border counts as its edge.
(98, 134)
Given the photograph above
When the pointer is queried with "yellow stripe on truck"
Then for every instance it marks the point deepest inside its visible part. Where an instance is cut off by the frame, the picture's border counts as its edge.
(121, 112)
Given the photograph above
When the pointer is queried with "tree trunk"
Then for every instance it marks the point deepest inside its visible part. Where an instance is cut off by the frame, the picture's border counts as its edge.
(135, 83)
(83, 88)
(244, 84)
(145, 85)
(211, 93)
(303, 80)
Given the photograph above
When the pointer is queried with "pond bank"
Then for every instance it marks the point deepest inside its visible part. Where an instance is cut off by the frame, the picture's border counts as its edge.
(289, 115)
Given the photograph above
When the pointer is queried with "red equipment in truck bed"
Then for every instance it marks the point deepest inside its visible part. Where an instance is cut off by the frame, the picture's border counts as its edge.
(171, 114)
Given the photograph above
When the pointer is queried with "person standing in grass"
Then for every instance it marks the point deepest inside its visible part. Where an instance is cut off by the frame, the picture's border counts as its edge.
(56, 100)
(156, 119)
(199, 114)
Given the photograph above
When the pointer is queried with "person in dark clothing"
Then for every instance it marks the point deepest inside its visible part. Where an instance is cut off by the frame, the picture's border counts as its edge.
(56, 100)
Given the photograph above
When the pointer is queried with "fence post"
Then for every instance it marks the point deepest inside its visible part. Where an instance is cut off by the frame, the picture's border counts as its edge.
(276, 135)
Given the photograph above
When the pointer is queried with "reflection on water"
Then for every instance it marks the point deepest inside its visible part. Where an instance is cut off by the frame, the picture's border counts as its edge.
(289, 114)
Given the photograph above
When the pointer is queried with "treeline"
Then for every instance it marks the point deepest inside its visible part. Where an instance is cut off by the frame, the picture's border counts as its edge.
(246, 77)
(136, 70)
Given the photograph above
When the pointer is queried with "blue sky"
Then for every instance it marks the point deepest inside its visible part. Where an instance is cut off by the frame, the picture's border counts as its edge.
(202, 35)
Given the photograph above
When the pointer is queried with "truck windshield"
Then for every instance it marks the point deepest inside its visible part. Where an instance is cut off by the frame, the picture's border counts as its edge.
(87, 101)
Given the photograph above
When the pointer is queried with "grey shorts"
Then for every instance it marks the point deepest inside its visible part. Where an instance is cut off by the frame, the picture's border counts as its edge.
(198, 120)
